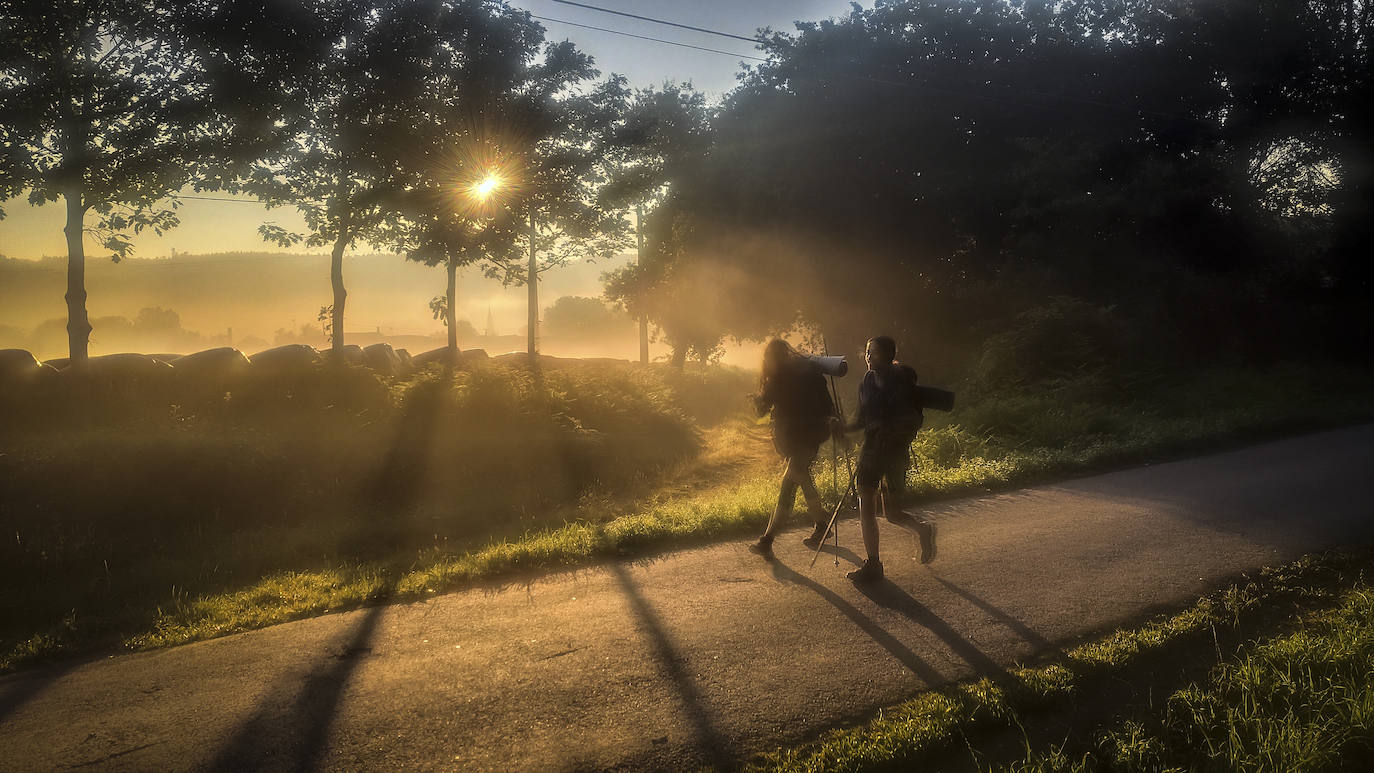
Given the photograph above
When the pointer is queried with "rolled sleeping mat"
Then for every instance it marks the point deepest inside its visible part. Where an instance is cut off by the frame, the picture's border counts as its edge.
(831, 365)
(935, 398)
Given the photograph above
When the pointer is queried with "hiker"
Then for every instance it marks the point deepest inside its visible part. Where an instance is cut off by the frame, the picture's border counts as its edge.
(793, 388)
(889, 415)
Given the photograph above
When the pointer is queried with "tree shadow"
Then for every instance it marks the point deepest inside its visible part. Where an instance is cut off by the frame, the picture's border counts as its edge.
(400, 481)
(293, 737)
(709, 739)
(895, 647)
(889, 596)
(1019, 628)
(18, 689)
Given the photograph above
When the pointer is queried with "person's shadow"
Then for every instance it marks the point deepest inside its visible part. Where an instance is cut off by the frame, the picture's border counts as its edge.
(892, 644)
(889, 596)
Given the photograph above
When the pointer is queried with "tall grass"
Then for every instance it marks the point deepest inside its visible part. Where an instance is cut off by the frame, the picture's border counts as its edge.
(132, 506)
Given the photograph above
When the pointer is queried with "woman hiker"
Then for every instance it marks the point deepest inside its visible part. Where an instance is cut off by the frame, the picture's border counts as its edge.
(793, 388)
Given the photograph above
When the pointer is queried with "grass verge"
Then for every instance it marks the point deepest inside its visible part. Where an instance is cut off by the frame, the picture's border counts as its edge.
(995, 441)
(1270, 673)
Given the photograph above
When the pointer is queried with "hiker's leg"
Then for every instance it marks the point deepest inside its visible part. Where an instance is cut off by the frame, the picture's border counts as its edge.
(787, 494)
(801, 474)
(868, 521)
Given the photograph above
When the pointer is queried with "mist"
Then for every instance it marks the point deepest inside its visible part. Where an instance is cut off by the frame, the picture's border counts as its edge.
(256, 300)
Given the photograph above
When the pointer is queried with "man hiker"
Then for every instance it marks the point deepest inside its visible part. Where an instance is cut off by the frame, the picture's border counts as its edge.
(793, 388)
(889, 415)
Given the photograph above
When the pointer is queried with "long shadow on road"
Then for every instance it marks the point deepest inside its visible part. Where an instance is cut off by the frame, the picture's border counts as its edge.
(1019, 628)
(293, 737)
(18, 689)
(709, 739)
(888, 642)
(889, 596)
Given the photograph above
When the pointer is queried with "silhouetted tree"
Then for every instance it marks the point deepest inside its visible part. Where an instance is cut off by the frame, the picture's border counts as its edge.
(561, 159)
(578, 317)
(940, 162)
(353, 111)
(113, 106)
(658, 135)
(484, 135)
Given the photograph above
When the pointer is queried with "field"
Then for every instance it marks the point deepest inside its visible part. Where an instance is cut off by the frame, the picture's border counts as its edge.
(144, 518)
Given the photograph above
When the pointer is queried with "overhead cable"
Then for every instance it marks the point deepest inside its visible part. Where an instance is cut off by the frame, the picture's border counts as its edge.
(646, 37)
(657, 21)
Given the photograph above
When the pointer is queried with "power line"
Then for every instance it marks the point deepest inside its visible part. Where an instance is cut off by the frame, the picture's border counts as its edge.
(958, 93)
(646, 37)
(218, 198)
(657, 21)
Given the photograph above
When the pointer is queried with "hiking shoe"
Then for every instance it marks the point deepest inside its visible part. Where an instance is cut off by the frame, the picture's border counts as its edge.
(926, 531)
(871, 571)
(763, 547)
(817, 534)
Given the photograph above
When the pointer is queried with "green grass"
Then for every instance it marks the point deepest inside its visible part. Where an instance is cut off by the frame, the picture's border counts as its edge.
(1271, 673)
(256, 523)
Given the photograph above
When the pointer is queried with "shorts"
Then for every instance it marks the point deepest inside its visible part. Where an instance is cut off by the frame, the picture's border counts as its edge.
(884, 458)
(801, 444)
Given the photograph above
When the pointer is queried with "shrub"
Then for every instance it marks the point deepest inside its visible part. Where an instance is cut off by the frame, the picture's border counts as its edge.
(1063, 338)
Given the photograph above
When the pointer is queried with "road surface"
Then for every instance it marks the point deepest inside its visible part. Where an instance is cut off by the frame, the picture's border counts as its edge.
(701, 656)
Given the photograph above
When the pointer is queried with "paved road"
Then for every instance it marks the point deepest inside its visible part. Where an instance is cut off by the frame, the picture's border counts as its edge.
(701, 656)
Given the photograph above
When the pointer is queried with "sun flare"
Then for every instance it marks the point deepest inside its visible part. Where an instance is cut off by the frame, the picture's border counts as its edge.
(486, 187)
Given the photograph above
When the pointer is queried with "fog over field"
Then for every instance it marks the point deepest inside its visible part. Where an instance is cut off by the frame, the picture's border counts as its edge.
(253, 300)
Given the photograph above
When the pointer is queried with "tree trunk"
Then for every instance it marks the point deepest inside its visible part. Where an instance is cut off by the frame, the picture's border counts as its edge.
(533, 281)
(451, 314)
(679, 356)
(639, 260)
(643, 339)
(78, 324)
(336, 337)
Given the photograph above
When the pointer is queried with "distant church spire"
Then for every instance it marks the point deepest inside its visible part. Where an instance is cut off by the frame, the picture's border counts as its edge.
(491, 325)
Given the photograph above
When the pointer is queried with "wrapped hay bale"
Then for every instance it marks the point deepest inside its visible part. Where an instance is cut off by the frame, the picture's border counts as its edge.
(382, 359)
(218, 369)
(16, 364)
(351, 354)
(121, 382)
(443, 355)
(291, 357)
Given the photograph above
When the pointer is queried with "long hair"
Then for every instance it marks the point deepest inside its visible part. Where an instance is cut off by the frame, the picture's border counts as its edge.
(776, 354)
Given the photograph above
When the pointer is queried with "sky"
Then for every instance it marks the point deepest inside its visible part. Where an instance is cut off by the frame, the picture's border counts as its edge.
(224, 226)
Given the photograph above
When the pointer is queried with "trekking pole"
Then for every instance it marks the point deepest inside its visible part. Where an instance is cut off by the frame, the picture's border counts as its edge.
(833, 515)
(834, 465)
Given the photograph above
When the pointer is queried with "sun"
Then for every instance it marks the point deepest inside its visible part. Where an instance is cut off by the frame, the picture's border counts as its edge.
(484, 189)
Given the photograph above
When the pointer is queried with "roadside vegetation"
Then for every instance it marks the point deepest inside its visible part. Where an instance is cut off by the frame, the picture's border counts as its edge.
(138, 521)
(1269, 673)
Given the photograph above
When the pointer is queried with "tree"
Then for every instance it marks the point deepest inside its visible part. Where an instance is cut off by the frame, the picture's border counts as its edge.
(113, 106)
(657, 136)
(576, 317)
(339, 170)
(473, 177)
(946, 160)
(561, 159)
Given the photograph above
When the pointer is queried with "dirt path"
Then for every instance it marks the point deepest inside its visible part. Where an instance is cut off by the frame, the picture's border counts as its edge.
(699, 656)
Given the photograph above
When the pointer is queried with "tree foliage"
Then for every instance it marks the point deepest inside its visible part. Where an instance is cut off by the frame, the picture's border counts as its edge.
(116, 105)
(918, 166)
